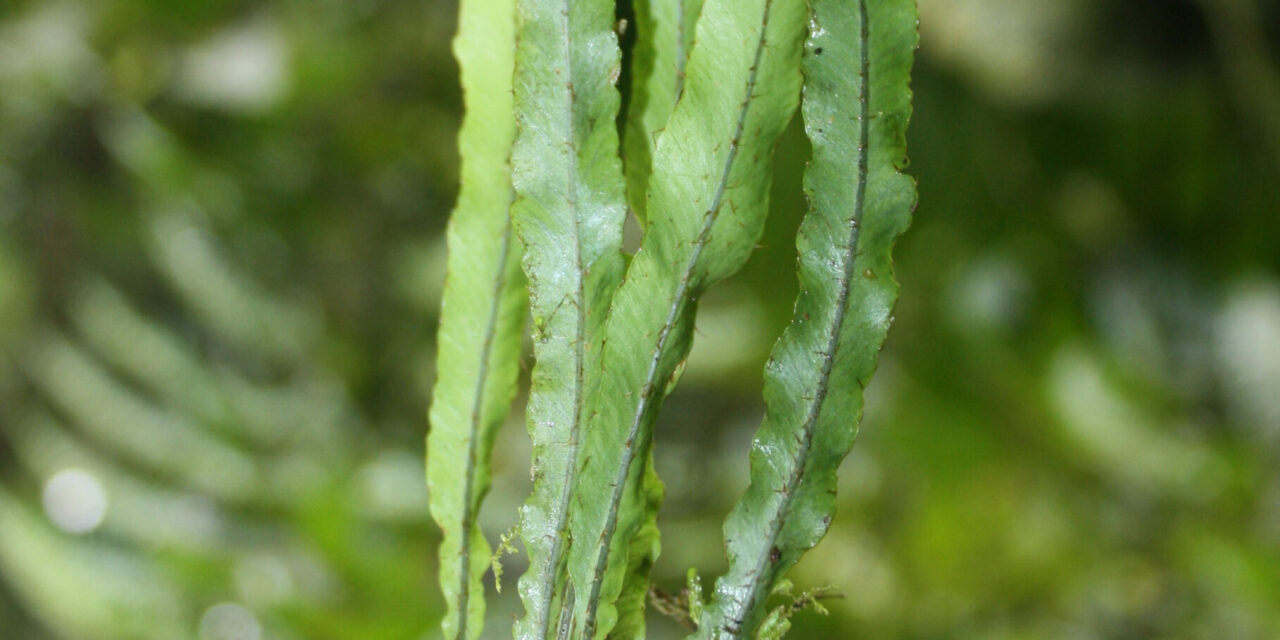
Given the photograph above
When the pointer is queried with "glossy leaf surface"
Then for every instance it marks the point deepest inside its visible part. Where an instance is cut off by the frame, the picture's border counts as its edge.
(708, 196)
(569, 212)
(856, 105)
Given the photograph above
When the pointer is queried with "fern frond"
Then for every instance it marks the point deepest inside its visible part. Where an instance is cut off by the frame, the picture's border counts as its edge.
(664, 38)
(860, 203)
(708, 196)
(482, 313)
(569, 212)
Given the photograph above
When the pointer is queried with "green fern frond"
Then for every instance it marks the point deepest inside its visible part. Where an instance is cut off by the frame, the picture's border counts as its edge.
(860, 203)
(482, 313)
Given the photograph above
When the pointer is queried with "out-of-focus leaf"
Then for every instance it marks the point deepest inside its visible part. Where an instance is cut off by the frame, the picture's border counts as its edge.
(80, 590)
(123, 421)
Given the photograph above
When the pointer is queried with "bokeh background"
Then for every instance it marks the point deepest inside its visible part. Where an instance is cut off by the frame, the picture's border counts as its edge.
(221, 258)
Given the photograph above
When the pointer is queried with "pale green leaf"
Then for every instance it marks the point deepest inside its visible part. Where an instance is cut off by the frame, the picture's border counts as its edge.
(642, 553)
(775, 625)
(664, 37)
(481, 314)
(708, 196)
(569, 211)
(856, 105)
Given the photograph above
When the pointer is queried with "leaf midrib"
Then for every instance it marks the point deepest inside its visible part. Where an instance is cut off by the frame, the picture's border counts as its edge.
(682, 56)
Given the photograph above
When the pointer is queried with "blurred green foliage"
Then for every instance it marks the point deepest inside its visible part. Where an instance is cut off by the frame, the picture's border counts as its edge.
(220, 261)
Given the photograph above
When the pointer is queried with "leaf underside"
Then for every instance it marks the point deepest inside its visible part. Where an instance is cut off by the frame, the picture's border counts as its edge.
(482, 315)
(858, 56)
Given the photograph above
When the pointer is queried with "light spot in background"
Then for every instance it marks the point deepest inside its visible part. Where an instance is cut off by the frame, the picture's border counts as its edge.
(1122, 303)
(263, 579)
(392, 486)
(1247, 350)
(229, 621)
(46, 50)
(1012, 48)
(242, 69)
(991, 294)
(1123, 438)
(75, 501)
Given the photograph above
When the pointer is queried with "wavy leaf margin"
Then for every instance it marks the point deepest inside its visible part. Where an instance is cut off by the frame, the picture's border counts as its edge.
(569, 212)
(816, 374)
(708, 196)
(482, 314)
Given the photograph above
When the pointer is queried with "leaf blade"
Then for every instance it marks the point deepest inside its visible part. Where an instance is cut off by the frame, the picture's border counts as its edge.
(715, 156)
(665, 30)
(816, 373)
(569, 212)
(479, 336)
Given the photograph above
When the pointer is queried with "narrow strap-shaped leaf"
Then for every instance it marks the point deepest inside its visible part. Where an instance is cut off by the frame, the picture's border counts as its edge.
(857, 102)
(569, 210)
(665, 31)
(707, 203)
(482, 313)
(664, 37)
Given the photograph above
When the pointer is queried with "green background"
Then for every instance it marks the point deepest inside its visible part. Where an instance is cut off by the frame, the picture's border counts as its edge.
(221, 257)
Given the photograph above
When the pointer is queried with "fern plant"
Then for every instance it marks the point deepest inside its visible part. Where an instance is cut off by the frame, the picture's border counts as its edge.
(547, 184)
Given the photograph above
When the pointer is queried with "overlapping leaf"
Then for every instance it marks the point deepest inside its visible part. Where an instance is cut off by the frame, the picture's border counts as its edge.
(707, 199)
(664, 38)
(665, 30)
